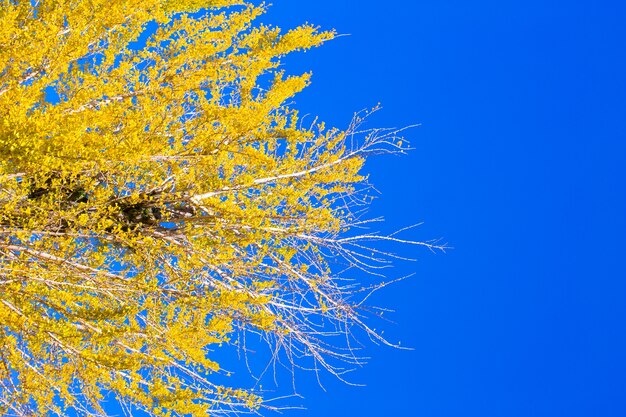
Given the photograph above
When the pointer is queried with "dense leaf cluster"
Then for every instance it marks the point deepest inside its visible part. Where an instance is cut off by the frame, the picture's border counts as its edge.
(163, 202)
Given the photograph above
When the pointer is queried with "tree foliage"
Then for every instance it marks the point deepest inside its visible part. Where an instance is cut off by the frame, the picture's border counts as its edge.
(157, 200)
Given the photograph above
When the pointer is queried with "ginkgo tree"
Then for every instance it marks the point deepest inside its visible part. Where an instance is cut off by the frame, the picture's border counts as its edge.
(157, 200)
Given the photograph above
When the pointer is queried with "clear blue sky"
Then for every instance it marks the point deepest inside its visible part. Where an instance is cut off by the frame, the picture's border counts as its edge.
(520, 165)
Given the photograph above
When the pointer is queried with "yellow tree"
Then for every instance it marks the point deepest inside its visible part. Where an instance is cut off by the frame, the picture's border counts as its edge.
(165, 200)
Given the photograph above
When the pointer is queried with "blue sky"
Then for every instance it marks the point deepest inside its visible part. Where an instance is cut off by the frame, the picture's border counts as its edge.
(520, 165)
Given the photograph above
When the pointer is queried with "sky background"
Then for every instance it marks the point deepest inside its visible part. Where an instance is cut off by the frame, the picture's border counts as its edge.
(520, 165)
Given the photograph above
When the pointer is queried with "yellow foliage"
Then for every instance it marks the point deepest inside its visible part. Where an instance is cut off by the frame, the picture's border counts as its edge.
(156, 200)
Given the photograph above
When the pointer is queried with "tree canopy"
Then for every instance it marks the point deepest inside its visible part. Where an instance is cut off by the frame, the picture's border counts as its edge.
(158, 197)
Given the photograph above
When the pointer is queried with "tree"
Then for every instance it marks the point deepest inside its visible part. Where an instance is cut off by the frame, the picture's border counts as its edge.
(157, 200)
